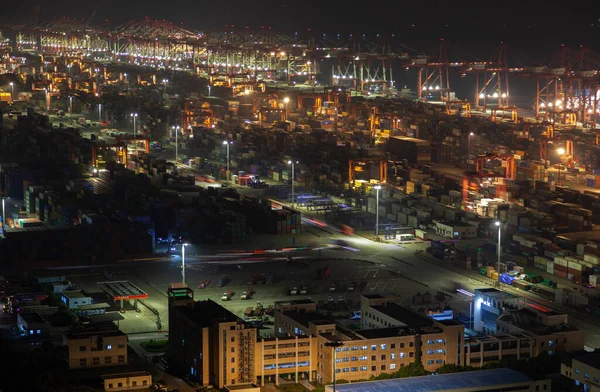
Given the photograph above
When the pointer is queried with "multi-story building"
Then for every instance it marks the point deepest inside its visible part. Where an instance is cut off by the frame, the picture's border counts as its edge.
(208, 342)
(214, 346)
(96, 348)
(584, 370)
(516, 330)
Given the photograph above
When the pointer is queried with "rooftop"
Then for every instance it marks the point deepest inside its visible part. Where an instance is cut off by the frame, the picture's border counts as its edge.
(494, 293)
(124, 375)
(74, 294)
(31, 318)
(305, 318)
(443, 382)
(86, 334)
(527, 320)
(404, 315)
(592, 360)
(204, 313)
(122, 290)
(386, 332)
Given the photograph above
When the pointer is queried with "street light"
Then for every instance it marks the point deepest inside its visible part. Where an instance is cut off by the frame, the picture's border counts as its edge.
(165, 81)
(209, 90)
(183, 262)
(469, 144)
(134, 116)
(499, 225)
(286, 100)
(3, 213)
(293, 163)
(70, 104)
(99, 112)
(335, 346)
(12, 90)
(227, 143)
(176, 129)
(377, 188)
(561, 152)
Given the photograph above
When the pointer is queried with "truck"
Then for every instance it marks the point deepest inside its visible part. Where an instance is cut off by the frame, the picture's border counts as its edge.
(227, 296)
(421, 234)
(247, 294)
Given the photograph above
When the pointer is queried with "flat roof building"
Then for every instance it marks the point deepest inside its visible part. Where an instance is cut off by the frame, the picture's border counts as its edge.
(479, 380)
(584, 370)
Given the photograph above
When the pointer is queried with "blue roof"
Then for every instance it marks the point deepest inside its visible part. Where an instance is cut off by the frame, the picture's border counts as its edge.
(440, 382)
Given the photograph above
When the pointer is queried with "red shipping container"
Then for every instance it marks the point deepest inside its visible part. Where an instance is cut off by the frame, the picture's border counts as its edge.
(560, 274)
(560, 268)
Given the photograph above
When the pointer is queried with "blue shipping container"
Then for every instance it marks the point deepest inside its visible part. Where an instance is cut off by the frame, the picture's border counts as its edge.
(507, 279)
(591, 182)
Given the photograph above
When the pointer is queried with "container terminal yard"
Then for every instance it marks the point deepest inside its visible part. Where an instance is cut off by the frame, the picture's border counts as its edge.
(270, 201)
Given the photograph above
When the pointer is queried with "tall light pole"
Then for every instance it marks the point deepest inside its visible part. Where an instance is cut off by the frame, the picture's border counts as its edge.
(166, 82)
(134, 116)
(227, 143)
(176, 129)
(561, 152)
(70, 104)
(3, 213)
(293, 163)
(377, 189)
(209, 90)
(499, 225)
(286, 100)
(12, 90)
(469, 144)
(183, 262)
(99, 112)
(335, 346)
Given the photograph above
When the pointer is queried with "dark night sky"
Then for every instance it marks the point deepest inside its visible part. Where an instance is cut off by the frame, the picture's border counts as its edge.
(533, 28)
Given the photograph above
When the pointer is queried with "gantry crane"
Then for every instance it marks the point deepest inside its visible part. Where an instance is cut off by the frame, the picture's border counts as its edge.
(360, 162)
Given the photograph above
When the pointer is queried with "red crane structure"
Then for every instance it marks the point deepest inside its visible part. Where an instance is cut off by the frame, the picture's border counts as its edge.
(568, 88)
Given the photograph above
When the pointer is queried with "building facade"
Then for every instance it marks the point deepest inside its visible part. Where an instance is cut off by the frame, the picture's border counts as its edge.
(96, 349)
(584, 370)
(213, 346)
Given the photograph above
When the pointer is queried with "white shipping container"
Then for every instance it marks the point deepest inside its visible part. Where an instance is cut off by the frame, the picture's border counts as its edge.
(560, 261)
(575, 266)
(550, 267)
(591, 258)
(594, 280)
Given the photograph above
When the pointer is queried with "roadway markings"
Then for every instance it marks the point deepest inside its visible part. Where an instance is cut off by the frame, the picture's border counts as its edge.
(402, 261)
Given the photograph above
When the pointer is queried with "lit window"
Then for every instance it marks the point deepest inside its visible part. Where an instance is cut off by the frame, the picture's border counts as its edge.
(38, 332)
(109, 346)
(430, 362)
(392, 356)
(354, 369)
(363, 358)
(364, 347)
(345, 370)
(384, 346)
(392, 366)
(363, 368)
(401, 355)
(374, 347)
(354, 359)
(345, 359)
(345, 348)
(31, 331)
(430, 351)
